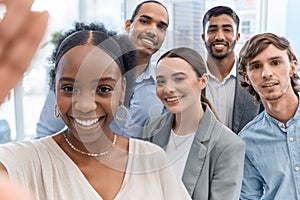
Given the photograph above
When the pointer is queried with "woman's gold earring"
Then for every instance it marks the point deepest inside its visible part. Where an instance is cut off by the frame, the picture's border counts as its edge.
(56, 114)
(293, 74)
(122, 112)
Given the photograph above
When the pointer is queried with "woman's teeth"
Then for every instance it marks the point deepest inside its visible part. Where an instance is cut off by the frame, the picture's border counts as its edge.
(87, 122)
(173, 99)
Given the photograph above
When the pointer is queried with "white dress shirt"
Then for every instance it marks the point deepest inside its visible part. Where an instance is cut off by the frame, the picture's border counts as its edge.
(221, 95)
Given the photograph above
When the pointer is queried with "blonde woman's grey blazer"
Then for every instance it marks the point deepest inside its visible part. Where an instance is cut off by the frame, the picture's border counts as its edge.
(214, 168)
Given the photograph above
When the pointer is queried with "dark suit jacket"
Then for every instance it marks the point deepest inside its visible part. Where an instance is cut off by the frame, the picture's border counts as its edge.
(244, 108)
(214, 167)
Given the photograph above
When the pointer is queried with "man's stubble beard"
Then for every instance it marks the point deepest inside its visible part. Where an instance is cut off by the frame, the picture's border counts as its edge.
(221, 57)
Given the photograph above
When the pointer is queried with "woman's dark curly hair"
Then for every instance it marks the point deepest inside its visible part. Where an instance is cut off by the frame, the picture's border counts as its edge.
(255, 46)
(119, 47)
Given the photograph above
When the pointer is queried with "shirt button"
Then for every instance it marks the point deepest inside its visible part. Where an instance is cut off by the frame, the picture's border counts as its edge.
(280, 124)
(297, 168)
(291, 139)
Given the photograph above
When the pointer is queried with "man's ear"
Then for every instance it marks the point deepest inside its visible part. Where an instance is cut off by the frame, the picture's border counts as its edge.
(203, 37)
(127, 25)
(237, 37)
(294, 67)
(246, 78)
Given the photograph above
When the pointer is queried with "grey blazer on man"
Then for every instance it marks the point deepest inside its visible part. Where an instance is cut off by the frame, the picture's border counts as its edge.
(214, 168)
(244, 109)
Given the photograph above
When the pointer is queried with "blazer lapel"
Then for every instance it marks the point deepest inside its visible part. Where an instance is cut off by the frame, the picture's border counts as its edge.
(198, 152)
(239, 104)
(161, 135)
(194, 166)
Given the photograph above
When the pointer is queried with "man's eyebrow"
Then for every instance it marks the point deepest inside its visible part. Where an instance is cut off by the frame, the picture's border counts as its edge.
(164, 23)
(223, 25)
(159, 76)
(150, 18)
(275, 58)
(227, 25)
(146, 16)
(272, 58)
(213, 26)
(253, 62)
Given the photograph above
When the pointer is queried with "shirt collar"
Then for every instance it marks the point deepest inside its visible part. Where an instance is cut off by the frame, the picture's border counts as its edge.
(290, 122)
(148, 73)
(231, 73)
(233, 70)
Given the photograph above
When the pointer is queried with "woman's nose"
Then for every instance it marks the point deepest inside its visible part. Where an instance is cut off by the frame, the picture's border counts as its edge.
(169, 89)
(85, 103)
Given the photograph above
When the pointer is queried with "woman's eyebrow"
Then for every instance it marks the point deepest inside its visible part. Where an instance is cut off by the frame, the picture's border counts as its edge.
(67, 79)
(178, 73)
(110, 79)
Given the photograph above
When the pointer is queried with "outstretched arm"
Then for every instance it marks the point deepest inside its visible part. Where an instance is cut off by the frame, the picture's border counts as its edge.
(21, 31)
(12, 190)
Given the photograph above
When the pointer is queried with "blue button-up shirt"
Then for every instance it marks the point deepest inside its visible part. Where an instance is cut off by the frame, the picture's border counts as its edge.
(272, 162)
(143, 104)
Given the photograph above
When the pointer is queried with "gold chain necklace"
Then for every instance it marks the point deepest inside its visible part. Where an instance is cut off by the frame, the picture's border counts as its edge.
(87, 153)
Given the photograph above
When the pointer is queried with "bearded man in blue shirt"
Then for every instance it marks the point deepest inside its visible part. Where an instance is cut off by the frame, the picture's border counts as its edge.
(272, 162)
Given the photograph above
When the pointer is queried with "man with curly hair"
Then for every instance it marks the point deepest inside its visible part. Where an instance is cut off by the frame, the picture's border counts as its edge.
(272, 162)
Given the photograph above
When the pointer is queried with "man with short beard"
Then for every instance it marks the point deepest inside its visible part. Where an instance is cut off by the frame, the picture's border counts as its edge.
(233, 104)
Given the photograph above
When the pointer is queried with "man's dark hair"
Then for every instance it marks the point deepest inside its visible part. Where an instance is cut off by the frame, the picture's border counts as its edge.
(219, 10)
(138, 7)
